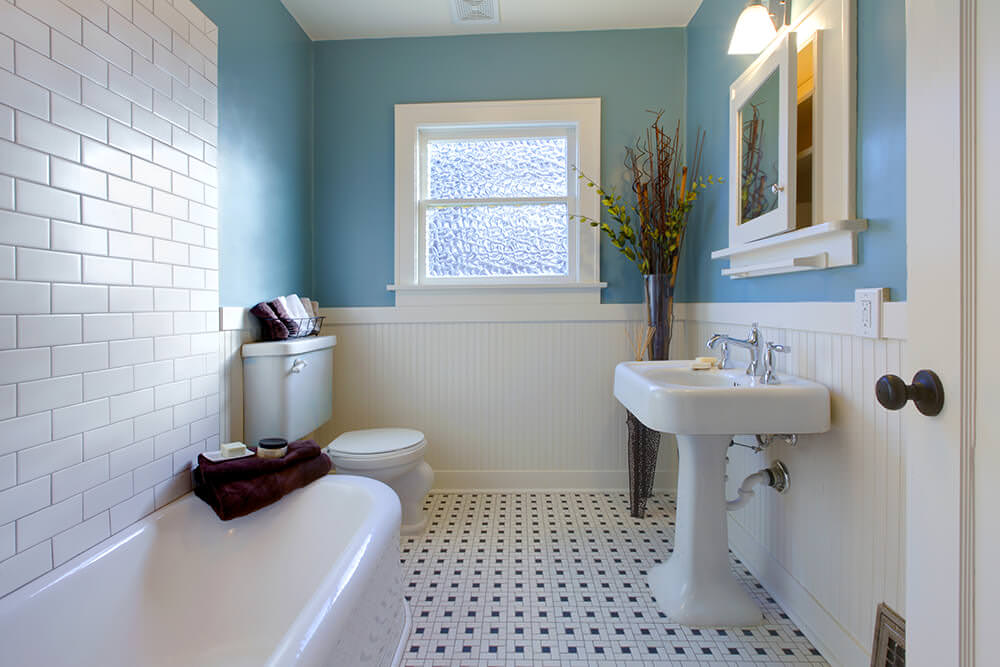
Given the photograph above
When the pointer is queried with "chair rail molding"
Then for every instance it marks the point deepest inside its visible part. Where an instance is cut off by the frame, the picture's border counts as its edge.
(820, 316)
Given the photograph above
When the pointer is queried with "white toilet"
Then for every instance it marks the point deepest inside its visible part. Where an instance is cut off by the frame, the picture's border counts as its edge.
(394, 456)
(288, 393)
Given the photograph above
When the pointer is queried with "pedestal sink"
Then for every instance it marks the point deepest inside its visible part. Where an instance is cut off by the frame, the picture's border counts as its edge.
(705, 409)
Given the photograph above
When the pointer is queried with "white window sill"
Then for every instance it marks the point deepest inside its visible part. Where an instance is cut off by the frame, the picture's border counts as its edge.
(498, 294)
(822, 246)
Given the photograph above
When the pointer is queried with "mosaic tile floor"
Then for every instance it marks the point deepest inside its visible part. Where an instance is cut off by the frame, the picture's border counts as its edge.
(535, 578)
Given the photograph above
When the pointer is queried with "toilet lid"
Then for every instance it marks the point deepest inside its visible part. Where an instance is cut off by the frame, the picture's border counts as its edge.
(377, 441)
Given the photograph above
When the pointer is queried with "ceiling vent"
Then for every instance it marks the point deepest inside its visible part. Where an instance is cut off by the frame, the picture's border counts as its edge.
(474, 11)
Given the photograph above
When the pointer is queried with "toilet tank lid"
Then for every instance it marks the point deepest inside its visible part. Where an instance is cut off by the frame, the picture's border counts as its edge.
(284, 348)
(376, 440)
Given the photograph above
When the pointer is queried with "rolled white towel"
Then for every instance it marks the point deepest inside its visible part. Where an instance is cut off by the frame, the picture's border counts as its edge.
(307, 305)
(296, 312)
(295, 307)
(315, 307)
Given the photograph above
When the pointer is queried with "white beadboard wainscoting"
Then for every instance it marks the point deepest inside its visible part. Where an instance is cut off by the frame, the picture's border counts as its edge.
(520, 397)
(507, 397)
(832, 547)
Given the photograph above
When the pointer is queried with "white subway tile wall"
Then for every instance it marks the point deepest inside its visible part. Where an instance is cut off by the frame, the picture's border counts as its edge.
(108, 269)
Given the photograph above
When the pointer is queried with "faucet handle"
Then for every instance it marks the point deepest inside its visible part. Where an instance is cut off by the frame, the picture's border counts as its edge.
(770, 348)
(724, 355)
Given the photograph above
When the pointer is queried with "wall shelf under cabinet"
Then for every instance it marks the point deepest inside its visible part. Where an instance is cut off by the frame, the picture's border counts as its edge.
(822, 246)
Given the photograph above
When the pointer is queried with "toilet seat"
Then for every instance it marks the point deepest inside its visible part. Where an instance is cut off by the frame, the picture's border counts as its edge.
(377, 447)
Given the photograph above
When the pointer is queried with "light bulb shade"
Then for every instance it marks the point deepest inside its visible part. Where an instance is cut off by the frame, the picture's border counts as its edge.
(754, 31)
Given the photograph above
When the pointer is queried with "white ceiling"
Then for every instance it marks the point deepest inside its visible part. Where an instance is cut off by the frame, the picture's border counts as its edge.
(355, 19)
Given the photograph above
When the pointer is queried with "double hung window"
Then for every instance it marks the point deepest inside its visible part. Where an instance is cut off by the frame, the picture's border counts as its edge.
(485, 191)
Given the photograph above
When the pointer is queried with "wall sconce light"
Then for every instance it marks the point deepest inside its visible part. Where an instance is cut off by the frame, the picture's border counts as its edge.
(755, 28)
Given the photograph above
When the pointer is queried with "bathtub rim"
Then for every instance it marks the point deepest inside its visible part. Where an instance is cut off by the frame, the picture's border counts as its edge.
(384, 524)
(377, 526)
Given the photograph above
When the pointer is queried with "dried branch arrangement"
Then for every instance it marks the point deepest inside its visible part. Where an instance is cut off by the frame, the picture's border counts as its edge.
(639, 337)
(650, 229)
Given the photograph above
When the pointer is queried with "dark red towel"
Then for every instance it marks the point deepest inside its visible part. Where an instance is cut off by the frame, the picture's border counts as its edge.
(275, 328)
(290, 322)
(244, 492)
(234, 470)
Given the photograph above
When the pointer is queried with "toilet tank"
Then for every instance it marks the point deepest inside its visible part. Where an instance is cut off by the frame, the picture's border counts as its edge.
(287, 387)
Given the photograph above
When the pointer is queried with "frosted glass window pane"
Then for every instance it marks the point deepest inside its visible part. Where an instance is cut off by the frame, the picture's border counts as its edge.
(476, 169)
(510, 240)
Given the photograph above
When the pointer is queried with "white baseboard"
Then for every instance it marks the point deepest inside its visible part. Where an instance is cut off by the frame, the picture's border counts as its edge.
(831, 639)
(496, 480)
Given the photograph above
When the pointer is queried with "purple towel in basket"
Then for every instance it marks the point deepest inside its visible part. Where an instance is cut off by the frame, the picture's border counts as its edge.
(286, 318)
(276, 329)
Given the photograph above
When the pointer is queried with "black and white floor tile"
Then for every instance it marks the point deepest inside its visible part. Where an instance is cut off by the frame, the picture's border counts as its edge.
(558, 578)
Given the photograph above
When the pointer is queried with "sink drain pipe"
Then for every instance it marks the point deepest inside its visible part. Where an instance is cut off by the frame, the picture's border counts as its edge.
(776, 477)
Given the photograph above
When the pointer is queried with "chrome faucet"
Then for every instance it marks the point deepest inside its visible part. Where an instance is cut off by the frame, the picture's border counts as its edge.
(751, 343)
(770, 377)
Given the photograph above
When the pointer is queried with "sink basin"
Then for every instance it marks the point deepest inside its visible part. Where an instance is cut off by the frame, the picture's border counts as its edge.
(669, 397)
(705, 409)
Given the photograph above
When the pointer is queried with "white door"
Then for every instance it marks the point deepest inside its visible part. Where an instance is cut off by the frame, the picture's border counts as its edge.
(953, 92)
(987, 406)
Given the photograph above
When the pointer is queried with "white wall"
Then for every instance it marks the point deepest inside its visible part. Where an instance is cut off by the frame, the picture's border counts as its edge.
(108, 269)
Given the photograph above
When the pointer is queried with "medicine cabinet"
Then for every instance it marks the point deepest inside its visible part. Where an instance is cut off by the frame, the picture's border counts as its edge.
(791, 150)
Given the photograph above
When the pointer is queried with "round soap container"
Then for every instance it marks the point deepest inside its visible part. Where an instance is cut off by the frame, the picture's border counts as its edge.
(272, 448)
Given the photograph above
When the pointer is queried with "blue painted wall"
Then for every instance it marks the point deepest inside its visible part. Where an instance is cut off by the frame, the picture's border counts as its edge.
(881, 161)
(357, 83)
(265, 150)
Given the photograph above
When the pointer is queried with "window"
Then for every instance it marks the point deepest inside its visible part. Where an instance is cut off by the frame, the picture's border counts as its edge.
(484, 192)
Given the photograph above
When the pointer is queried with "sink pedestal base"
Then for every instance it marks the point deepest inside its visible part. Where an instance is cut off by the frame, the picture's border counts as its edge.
(696, 587)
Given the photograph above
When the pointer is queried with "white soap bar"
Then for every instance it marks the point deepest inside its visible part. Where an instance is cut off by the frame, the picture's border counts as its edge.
(230, 450)
(701, 366)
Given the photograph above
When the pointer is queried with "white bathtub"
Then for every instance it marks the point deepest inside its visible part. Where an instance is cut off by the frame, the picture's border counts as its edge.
(314, 579)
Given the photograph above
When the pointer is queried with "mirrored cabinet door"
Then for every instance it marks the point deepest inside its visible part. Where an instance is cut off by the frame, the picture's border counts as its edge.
(764, 143)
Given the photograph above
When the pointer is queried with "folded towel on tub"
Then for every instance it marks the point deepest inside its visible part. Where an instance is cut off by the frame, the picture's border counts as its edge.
(237, 487)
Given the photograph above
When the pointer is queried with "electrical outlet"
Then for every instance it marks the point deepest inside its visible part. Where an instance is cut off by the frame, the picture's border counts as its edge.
(868, 311)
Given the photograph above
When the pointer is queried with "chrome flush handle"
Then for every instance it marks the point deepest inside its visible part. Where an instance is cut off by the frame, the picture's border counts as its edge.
(770, 377)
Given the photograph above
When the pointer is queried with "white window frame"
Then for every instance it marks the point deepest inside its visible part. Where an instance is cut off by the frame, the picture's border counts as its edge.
(577, 119)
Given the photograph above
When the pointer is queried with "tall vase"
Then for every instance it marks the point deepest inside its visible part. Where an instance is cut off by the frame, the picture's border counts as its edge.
(659, 311)
(643, 442)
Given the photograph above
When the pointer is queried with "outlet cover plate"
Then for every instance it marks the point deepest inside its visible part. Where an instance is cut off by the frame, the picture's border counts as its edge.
(868, 311)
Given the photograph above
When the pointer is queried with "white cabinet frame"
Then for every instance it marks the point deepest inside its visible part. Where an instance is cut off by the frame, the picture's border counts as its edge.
(780, 57)
(831, 240)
